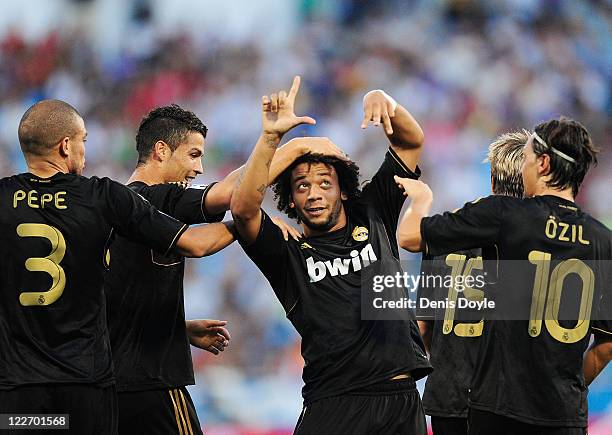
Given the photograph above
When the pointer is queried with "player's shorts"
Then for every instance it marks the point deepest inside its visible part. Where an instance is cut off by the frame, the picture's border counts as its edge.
(486, 423)
(163, 412)
(392, 407)
(449, 425)
(91, 409)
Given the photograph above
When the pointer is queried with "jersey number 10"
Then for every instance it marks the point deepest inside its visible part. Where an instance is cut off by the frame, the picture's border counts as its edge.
(545, 302)
(552, 283)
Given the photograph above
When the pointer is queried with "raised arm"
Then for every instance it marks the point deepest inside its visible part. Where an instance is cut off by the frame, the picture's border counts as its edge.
(404, 133)
(219, 197)
(409, 231)
(278, 117)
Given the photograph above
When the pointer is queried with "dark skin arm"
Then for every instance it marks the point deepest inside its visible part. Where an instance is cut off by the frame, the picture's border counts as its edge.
(426, 329)
(404, 133)
(409, 231)
(597, 357)
(278, 117)
(219, 196)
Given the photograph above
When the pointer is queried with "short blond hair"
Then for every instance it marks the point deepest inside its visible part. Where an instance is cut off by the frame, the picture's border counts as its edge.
(506, 157)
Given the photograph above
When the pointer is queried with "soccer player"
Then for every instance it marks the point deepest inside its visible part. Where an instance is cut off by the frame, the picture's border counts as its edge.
(146, 314)
(144, 288)
(359, 374)
(54, 345)
(451, 334)
(531, 373)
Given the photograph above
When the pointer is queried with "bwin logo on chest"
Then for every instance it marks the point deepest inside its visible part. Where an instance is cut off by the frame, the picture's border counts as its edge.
(317, 270)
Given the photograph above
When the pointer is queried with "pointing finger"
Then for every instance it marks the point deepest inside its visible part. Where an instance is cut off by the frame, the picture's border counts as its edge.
(295, 87)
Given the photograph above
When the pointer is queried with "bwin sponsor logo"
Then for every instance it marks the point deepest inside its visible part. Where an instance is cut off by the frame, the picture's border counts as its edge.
(317, 270)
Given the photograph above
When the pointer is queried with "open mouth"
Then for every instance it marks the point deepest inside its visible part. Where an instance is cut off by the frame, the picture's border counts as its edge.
(315, 211)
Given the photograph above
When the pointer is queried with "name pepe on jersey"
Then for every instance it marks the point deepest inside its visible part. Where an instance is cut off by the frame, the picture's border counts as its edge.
(32, 199)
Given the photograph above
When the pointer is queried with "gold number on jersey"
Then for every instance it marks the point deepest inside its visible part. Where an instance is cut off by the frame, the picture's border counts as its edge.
(456, 262)
(542, 304)
(48, 264)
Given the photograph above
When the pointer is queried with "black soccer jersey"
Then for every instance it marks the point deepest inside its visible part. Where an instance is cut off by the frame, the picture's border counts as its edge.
(456, 328)
(318, 282)
(548, 301)
(144, 290)
(52, 307)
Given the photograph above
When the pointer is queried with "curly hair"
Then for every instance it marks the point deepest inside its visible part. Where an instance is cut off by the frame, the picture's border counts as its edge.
(573, 139)
(348, 177)
(170, 124)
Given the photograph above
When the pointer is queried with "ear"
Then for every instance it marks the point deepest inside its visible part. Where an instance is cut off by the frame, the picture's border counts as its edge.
(161, 151)
(543, 165)
(343, 196)
(64, 149)
(291, 205)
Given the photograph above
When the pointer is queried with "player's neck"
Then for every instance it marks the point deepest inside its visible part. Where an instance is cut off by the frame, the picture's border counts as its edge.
(45, 168)
(565, 193)
(146, 174)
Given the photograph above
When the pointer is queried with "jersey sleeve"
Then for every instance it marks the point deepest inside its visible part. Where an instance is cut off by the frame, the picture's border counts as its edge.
(185, 203)
(133, 217)
(384, 194)
(270, 253)
(476, 224)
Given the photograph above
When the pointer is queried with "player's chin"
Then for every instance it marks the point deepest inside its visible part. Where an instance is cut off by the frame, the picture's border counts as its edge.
(321, 223)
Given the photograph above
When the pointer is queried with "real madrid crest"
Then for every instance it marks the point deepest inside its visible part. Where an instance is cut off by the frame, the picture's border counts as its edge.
(360, 234)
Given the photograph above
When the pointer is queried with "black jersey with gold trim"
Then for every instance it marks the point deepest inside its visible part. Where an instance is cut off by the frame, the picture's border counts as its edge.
(318, 281)
(144, 290)
(455, 328)
(552, 292)
(52, 306)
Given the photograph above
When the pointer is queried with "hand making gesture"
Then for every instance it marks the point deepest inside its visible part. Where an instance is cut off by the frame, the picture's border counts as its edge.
(278, 115)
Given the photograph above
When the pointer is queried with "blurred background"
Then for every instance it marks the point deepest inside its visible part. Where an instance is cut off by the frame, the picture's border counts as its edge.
(468, 70)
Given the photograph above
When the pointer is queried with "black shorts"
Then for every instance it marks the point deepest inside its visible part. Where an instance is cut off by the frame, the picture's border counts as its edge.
(449, 425)
(485, 423)
(168, 411)
(91, 409)
(393, 407)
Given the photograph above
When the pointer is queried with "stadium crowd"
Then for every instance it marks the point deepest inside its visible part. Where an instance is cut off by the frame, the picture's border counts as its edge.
(465, 72)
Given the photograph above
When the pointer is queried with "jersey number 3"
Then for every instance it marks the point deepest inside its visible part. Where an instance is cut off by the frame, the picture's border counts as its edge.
(48, 264)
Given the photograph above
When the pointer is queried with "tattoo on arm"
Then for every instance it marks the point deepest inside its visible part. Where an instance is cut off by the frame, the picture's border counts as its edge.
(271, 143)
(240, 178)
(262, 189)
